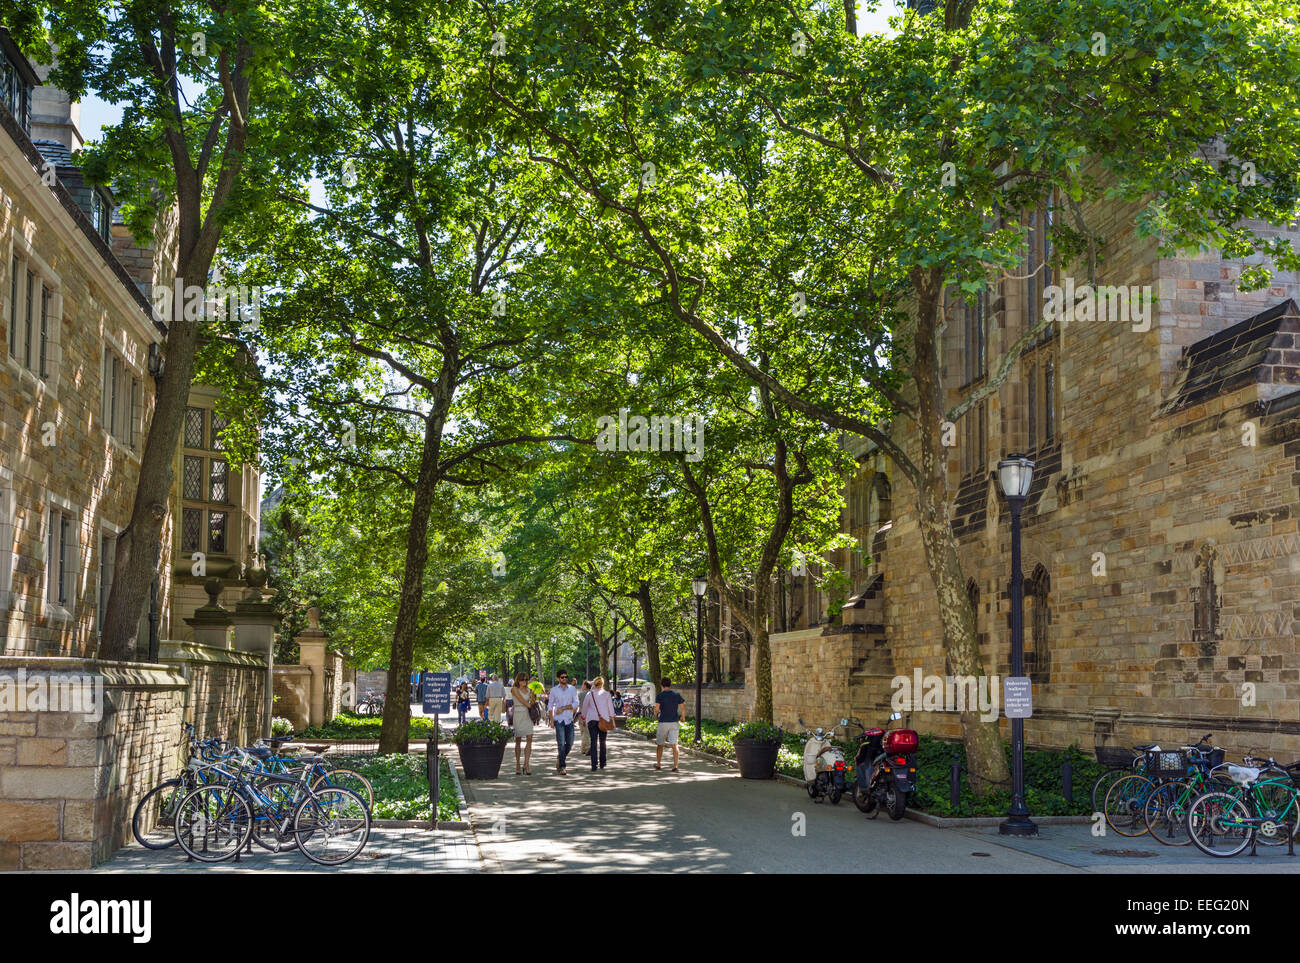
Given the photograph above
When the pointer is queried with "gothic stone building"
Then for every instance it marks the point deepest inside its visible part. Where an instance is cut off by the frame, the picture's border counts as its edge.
(1160, 543)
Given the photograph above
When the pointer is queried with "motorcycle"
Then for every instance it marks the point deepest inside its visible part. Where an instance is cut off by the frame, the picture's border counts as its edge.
(886, 769)
(823, 764)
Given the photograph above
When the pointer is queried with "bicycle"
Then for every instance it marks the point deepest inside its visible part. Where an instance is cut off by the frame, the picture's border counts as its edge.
(1120, 763)
(1126, 800)
(1223, 822)
(216, 822)
(157, 808)
(1165, 812)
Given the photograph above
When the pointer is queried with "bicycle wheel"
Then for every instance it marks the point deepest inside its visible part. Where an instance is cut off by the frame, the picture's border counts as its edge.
(1273, 803)
(213, 823)
(153, 824)
(1103, 784)
(348, 779)
(1219, 824)
(1124, 804)
(332, 825)
(1165, 813)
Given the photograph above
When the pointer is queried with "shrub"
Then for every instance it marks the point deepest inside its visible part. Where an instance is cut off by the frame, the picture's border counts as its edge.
(479, 732)
(758, 731)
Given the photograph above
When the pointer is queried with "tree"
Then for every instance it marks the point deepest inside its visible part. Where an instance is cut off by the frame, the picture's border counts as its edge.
(1017, 100)
(196, 80)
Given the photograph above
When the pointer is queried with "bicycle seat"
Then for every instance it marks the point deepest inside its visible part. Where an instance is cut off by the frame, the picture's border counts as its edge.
(1243, 775)
(260, 752)
(1145, 746)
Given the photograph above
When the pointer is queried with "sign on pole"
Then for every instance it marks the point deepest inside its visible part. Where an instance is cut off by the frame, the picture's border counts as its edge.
(437, 693)
(1017, 697)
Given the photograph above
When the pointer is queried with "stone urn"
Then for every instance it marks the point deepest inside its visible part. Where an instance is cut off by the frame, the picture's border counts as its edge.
(255, 576)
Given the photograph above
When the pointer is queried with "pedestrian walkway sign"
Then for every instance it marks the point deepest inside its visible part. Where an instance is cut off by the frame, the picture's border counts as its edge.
(437, 693)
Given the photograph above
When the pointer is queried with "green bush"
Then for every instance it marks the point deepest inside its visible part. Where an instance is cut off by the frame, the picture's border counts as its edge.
(758, 731)
(348, 726)
(480, 731)
(401, 785)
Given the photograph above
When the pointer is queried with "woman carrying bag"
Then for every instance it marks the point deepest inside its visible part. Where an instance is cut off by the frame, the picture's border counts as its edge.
(598, 714)
(527, 713)
(462, 703)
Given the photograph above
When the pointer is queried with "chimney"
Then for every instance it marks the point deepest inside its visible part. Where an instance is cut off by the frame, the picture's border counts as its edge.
(55, 116)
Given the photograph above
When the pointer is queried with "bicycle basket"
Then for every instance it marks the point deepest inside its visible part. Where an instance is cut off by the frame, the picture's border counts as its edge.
(1115, 757)
(1166, 762)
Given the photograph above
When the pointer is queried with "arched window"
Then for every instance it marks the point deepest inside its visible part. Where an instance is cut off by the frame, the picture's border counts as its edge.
(1038, 621)
(973, 596)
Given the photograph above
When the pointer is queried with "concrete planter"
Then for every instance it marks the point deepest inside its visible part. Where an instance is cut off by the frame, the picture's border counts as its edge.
(757, 759)
(482, 760)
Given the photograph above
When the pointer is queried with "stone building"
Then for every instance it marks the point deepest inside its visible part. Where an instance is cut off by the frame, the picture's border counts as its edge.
(81, 739)
(1161, 555)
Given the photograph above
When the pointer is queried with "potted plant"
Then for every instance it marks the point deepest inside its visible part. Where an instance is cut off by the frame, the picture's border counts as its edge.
(281, 726)
(482, 745)
(757, 745)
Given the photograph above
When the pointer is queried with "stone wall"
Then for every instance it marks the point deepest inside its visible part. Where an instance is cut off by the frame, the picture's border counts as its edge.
(731, 702)
(293, 694)
(69, 783)
(227, 690)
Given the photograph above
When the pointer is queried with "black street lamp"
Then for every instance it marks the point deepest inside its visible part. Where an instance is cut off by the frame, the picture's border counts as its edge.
(699, 586)
(1015, 474)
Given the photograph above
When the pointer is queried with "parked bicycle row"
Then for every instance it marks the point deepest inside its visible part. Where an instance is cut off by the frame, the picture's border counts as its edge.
(1192, 795)
(228, 798)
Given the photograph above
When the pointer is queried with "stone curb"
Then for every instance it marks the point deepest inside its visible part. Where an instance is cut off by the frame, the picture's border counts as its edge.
(939, 822)
(416, 824)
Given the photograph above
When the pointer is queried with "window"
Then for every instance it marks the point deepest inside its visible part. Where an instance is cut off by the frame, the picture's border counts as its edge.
(1040, 397)
(218, 480)
(192, 530)
(120, 400)
(8, 548)
(974, 440)
(217, 532)
(16, 82)
(60, 557)
(194, 427)
(107, 560)
(1038, 665)
(33, 316)
(101, 215)
(1039, 263)
(192, 478)
(975, 337)
(218, 426)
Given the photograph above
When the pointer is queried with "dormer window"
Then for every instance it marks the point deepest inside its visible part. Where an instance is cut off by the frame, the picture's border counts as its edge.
(17, 78)
(101, 214)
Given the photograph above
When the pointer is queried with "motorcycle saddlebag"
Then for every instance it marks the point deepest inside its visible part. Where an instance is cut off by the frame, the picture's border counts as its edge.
(901, 742)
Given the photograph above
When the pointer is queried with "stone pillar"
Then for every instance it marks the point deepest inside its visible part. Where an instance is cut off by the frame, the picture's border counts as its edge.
(311, 653)
(255, 621)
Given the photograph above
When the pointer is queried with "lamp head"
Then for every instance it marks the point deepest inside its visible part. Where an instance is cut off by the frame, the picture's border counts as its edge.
(1015, 475)
(699, 586)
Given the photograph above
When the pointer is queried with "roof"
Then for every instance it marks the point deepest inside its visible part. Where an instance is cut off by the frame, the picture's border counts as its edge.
(1259, 350)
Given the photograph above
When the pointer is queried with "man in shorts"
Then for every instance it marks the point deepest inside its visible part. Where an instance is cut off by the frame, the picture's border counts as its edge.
(670, 710)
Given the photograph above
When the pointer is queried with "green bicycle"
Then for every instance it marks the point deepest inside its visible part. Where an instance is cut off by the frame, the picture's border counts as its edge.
(1224, 822)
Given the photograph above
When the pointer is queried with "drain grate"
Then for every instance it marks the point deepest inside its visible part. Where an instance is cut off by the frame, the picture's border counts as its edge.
(981, 854)
(1124, 853)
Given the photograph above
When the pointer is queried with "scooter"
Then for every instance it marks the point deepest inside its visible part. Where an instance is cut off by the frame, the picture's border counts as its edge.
(823, 764)
(886, 769)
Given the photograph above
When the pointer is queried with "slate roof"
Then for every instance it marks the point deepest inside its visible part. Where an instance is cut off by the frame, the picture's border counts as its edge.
(1263, 349)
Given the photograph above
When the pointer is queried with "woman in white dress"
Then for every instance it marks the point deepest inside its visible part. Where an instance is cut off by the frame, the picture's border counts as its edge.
(525, 698)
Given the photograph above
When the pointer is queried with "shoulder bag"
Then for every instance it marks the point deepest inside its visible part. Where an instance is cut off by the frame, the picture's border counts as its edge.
(605, 725)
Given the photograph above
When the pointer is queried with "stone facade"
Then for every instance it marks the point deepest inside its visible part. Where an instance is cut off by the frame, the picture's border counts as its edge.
(1160, 537)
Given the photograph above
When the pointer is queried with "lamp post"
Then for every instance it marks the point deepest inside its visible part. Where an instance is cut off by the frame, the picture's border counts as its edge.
(699, 586)
(1015, 474)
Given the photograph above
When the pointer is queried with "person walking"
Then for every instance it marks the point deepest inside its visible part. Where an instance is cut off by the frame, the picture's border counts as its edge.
(598, 714)
(540, 691)
(563, 704)
(496, 698)
(670, 711)
(462, 703)
(582, 701)
(480, 695)
(528, 711)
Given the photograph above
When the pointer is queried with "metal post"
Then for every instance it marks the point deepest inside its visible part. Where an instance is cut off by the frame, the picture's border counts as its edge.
(954, 782)
(1017, 822)
(699, 664)
(431, 757)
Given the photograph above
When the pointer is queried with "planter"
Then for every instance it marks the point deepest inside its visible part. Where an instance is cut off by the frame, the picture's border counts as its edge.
(756, 758)
(482, 760)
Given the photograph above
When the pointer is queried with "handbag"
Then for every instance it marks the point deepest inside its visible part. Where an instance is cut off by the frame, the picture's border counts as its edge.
(534, 712)
(605, 725)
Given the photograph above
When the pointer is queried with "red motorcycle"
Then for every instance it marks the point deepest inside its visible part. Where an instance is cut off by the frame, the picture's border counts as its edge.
(886, 769)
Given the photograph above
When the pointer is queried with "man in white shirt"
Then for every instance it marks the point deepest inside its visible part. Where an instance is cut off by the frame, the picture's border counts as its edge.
(496, 696)
(563, 703)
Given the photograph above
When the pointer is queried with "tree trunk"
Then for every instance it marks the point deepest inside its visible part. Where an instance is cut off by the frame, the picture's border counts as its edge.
(651, 634)
(136, 559)
(394, 731)
(985, 758)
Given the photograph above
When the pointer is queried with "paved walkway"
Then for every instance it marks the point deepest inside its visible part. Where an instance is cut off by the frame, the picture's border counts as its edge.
(632, 818)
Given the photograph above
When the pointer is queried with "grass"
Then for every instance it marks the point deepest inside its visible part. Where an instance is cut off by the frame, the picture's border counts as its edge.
(1043, 792)
(402, 787)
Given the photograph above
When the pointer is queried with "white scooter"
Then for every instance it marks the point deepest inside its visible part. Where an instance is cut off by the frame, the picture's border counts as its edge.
(823, 764)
